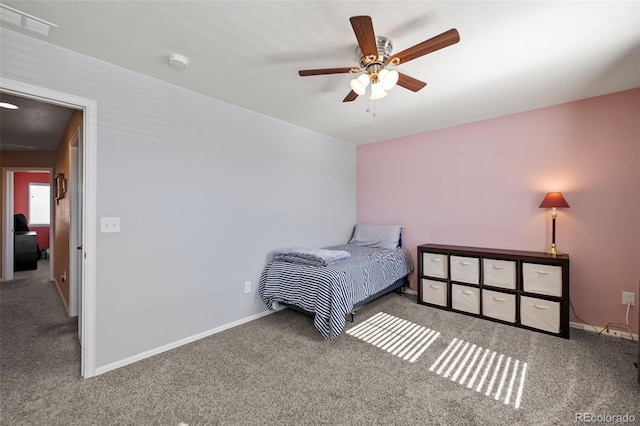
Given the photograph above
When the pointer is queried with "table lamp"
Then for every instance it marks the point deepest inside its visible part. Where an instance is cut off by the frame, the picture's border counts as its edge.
(553, 200)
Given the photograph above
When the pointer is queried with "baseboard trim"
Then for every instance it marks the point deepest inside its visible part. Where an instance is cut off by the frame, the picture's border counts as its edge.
(594, 329)
(410, 291)
(64, 301)
(176, 344)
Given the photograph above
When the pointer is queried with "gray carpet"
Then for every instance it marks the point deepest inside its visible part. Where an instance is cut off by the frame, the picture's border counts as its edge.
(278, 370)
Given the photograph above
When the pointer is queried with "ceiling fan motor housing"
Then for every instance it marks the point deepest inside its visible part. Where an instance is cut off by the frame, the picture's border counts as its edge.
(371, 64)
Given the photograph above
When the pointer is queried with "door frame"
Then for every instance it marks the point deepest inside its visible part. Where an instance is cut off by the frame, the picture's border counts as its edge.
(89, 174)
(75, 231)
(7, 215)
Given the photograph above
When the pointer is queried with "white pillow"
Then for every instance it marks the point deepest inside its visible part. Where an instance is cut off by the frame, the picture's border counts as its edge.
(383, 236)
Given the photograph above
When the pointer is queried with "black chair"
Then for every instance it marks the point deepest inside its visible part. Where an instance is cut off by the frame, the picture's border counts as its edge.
(20, 223)
(26, 251)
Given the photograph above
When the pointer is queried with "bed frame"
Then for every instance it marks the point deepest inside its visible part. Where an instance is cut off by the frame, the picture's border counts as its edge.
(398, 286)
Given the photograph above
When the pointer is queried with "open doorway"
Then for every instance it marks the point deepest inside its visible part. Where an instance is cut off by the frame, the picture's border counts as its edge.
(81, 223)
(29, 190)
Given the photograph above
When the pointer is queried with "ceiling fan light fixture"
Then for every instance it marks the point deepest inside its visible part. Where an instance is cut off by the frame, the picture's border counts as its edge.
(377, 91)
(359, 85)
(388, 78)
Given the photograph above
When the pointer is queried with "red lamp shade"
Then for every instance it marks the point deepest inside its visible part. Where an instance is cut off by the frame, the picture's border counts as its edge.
(554, 199)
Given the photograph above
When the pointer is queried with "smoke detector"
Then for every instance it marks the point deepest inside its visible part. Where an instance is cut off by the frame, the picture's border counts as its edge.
(178, 61)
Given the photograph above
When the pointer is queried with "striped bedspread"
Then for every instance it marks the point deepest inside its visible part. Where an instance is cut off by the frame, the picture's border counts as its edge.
(331, 291)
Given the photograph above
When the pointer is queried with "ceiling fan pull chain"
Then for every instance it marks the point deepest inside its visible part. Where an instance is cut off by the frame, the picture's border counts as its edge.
(374, 103)
(369, 105)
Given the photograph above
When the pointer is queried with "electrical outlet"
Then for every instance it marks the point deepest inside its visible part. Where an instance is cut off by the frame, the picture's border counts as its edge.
(628, 297)
(247, 286)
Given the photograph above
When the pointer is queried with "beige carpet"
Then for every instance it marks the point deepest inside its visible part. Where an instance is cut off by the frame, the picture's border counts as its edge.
(278, 370)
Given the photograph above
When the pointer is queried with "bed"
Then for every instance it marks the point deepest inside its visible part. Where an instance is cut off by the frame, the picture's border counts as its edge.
(330, 287)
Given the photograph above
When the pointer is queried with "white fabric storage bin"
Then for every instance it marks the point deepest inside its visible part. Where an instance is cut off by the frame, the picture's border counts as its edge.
(540, 314)
(465, 298)
(434, 265)
(542, 279)
(499, 305)
(434, 292)
(499, 273)
(465, 269)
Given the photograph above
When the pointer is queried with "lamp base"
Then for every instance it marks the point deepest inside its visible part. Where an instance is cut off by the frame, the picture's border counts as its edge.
(553, 252)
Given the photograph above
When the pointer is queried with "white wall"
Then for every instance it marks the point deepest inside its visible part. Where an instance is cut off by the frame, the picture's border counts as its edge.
(205, 190)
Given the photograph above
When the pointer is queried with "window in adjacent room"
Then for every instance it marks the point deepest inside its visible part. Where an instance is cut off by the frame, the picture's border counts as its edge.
(39, 204)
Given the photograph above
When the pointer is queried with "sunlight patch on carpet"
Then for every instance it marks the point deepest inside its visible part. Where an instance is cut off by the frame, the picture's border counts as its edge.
(496, 375)
(397, 336)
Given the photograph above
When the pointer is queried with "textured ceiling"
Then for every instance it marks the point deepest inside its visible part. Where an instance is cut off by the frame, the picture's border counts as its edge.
(35, 126)
(512, 57)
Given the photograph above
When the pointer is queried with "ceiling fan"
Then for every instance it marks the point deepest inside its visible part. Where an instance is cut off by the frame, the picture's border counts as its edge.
(375, 56)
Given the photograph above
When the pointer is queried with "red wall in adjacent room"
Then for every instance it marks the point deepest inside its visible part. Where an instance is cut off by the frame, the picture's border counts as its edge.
(21, 182)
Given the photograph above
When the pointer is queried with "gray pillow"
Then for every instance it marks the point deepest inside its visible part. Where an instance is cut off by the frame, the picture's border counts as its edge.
(383, 236)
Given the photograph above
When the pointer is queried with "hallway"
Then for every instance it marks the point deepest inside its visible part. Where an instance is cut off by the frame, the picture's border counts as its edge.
(38, 342)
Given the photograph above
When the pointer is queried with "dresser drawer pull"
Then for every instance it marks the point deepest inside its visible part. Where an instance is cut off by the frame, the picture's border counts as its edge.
(434, 286)
(467, 292)
(497, 267)
(435, 259)
(499, 299)
(543, 272)
(463, 262)
(540, 306)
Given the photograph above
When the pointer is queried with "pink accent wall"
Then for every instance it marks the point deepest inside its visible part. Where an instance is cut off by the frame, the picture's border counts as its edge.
(480, 185)
(21, 182)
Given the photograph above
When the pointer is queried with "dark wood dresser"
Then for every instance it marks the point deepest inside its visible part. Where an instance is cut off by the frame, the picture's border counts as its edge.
(520, 288)
(25, 251)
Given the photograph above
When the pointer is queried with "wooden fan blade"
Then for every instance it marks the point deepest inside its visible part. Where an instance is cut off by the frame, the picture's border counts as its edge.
(438, 42)
(363, 28)
(304, 73)
(410, 83)
(350, 97)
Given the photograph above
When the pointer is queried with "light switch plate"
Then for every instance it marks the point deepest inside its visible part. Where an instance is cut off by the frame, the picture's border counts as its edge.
(109, 224)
